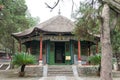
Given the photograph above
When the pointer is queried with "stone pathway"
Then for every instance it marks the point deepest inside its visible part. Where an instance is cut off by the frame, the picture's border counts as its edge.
(72, 78)
(67, 78)
(60, 78)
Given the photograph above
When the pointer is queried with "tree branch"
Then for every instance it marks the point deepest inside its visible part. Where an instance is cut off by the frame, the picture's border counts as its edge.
(115, 4)
(52, 6)
(72, 5)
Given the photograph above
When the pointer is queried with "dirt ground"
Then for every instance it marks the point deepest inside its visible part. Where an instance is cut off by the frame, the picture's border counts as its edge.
(13, 75)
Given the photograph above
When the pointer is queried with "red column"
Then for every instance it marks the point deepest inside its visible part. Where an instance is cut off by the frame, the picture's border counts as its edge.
(30, 49)
(79, 51)
(97, 47)
(40, 48)
(88, 52)
(19, 46)
(26, 50)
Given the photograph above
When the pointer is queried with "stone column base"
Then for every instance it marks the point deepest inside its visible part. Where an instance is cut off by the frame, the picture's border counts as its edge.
(40, 63)
(79, 63)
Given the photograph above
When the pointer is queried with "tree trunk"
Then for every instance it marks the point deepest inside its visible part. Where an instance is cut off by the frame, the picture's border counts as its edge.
(99, 70)
(22, 68)
(22, 72)
(106, 61)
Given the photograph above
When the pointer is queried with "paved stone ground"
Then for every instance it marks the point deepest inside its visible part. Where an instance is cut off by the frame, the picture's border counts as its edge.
(13, 75)
(73, 78)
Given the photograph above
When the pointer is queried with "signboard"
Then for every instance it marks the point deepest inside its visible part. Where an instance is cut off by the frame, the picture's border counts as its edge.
(68, 57)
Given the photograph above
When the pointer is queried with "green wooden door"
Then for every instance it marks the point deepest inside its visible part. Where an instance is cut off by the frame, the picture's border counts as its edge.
(59, 52)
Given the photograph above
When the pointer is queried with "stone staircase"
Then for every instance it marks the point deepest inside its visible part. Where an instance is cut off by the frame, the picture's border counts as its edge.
(4, 66)
(60, 70)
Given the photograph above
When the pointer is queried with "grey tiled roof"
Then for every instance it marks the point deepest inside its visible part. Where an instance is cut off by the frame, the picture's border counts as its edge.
(56, 24)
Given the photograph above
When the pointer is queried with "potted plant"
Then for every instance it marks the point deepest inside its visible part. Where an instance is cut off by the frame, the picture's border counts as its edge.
(22, 59)
(96, 60)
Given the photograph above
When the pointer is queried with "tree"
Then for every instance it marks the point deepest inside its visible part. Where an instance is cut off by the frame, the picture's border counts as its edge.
(106, 61)
(86, 21)
(13, 19)
(108, 7)
(22, 59)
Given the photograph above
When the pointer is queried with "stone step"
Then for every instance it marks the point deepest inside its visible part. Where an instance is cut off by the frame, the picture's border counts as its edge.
(60, 75)
(59, 66)
(60, 71)
(69, 72)
(66, 68)
(4, 66)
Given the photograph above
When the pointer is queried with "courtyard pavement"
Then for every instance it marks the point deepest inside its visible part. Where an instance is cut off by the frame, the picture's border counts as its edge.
(54, 78)
(73, 78)
(13, 75)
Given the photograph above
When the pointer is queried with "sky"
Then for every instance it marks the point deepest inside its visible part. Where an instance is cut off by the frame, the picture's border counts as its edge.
(37, 8)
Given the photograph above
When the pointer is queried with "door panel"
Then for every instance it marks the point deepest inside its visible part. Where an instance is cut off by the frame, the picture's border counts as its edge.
(59, 52)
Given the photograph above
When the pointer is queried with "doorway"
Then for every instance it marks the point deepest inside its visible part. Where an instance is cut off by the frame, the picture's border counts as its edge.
(59, 52)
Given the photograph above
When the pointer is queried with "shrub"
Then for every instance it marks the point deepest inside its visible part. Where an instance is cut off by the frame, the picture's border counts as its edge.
(22, 59)
(95, 59)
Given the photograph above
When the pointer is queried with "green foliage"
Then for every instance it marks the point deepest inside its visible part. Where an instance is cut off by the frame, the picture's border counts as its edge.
(23, 58)
(95, 59)
(86, 20)
(13, 18)
(115, 39)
